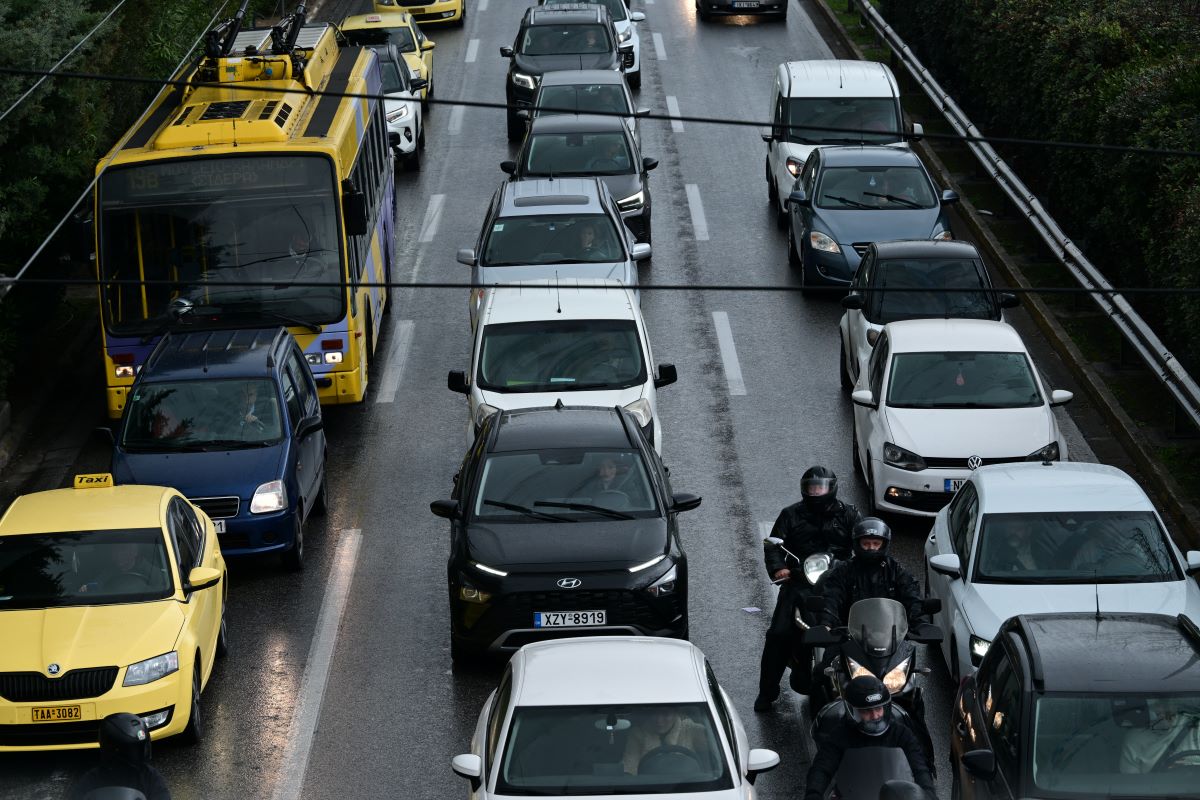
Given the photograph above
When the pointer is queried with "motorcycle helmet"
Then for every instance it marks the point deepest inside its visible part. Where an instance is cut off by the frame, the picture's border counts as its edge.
(818, 487)
(125, 736)
(871, 528)
(864, 696)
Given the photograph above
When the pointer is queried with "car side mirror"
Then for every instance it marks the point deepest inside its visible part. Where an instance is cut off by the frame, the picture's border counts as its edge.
(640, 251)
(469, 766)
(799, 198)
(1193, 562)
(931, 605)
(980, 763)
(948, 564)
(918, 132)
(949, 196)
(105, 435)
(637, 16)
(508, 167)
(667, 374)
(1009, 300)
(925, 633)
(642, 112)
(309, 425)
(864, 398)
(684, 502)
(649, 164)
(1060, 397)
(427, 45)
(524, 114)
(417, 84)
(202, 578)
(760, 761)
(853, 301)
(446, 509)
(506, 52)
(466, 255)
(767, 134)
(456, 381)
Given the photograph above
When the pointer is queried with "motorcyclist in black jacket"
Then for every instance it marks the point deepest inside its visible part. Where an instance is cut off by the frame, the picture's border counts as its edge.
(869, 573)
(865, 717)
(818, 523)
(125, 761)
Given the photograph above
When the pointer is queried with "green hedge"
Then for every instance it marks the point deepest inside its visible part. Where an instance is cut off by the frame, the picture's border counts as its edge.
(1121, 72)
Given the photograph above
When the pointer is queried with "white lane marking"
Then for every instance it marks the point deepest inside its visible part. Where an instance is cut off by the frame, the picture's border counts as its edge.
(394, 361)
(733, 370)
(482, 6)
(433, 218)
(660, 50)
(456, 118)
(472, 50)
(699, 223)
(316, 669)
(673, 111)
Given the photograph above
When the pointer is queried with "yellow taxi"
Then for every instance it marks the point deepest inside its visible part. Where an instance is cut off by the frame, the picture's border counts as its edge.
(425, 11)
(396, 28)
(112, 599)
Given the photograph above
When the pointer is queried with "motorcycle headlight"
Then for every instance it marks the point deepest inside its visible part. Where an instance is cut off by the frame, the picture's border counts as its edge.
(904, 459)
(640, 409)
(815, 566)
(1047, 453)
(482, 412)
(527, 81)
(664, 585)
(269, 497)
(857, 670)
(152, 669)
(397, 114)
(633, 202)
(979, 649)
(897, 677)
(820, 241)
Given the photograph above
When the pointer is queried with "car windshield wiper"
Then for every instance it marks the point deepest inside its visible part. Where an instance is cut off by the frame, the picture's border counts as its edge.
(904, 201)
(235, 444)
(605, 512)
(847, 201)
(529, 512)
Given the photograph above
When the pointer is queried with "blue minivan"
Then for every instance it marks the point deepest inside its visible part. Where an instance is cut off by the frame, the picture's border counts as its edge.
(231, 419)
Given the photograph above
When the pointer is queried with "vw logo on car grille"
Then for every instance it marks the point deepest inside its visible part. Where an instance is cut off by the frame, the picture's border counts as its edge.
(53, 669)
(569, 583)
(974, 463)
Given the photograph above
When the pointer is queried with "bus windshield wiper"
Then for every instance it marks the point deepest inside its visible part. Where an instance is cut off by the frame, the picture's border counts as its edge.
(529, 512)
(847, 201)
(235, 309)
(605, 512)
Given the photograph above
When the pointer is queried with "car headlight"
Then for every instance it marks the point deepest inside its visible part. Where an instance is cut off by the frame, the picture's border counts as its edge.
(632, 203)
(820, 241)
(794, 165)
(626, 35)
(152, 669)
(640, 409)
(398, 114)
(482, 412)
(942, 236)
(815, 566)
(489, 570)
(664, 585)
(269, 497)
(979, 649)
(527, 81)
(470, 594)
(1047, 453)
(904, 459)
(896, 677)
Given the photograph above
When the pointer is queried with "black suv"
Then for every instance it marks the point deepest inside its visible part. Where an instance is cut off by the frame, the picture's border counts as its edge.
(563, 523)
(1082, 705)
(558, 37)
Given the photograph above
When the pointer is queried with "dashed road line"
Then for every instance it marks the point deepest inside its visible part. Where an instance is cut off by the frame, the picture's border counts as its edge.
(733, 370)
(433, 218)
(472, 51)
(696, 206)
(456, 119)
(394, 362)
(660, 50)
(483, 4)
(673, 111)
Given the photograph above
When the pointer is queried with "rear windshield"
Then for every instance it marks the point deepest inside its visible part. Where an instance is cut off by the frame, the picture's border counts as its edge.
(919, 281)
(583, 99)
(861, 119)
(551, 40)
(550, 154)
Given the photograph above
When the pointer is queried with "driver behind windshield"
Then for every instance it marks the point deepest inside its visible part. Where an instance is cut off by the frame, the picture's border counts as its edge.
(667, 734)
(1170, 738)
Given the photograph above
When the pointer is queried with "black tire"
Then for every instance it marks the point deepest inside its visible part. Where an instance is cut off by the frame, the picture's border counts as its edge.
(770, 183)
(858, 466)
(387, 297)
(412, 162)
(803, 270)
(793, 257)
(222, 648)
(293, 557)
(516, 128)
(843, 373)
(701, 13)
(194, 732)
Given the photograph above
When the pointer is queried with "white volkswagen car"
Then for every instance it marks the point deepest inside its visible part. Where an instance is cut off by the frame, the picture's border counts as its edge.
(1036, 538)
(582, 342)
(601, 716)
(940, 398)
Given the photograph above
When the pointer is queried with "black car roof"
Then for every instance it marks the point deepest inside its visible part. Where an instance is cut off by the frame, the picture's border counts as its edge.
(558, 428)
(868, 156)
(565, 14)
(240, 353)
(925, 248)
(1110, 653)
(577, 123)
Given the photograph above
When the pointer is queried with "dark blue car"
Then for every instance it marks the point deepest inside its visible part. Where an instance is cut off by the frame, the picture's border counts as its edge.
(231, 419)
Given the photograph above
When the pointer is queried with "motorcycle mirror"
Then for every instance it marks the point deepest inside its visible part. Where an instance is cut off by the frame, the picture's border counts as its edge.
(774, 541)
(814, 602)
(924, 633)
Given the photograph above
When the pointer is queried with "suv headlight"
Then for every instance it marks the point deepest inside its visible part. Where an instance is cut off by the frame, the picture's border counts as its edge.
(398, 114)
(482, 412)
(979, 649)
(1047, 453)
(820, 241)
(640, 409)
(632, 203)
(664, 585)
(626, 34)
(269, 497)
(904, 459)
(527, 81)
(152, 669)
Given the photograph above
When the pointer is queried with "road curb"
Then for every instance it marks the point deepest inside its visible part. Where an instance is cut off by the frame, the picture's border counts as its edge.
(1182, 511)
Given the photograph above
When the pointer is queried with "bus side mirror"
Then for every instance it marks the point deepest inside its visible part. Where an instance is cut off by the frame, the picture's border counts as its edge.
(354, 209)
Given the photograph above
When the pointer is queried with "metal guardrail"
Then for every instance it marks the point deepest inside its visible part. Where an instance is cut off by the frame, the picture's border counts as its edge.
(1137, 333)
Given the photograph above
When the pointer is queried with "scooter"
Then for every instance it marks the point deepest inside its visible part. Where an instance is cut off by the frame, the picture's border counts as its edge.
(814, 568)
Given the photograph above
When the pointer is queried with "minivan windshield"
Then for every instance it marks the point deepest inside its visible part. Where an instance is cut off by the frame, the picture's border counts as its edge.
(875, 188)
(557, 239)
(550, 154)
(561, 356)
(202, 415)
(564, 40)
(564, 484)
(921, 280)
(962, 380)
(871, 120)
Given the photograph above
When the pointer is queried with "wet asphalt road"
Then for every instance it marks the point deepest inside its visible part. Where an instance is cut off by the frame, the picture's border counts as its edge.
(393, 712)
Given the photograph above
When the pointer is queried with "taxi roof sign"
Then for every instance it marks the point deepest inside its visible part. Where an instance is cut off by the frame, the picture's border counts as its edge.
(373, 18)
(95, 480)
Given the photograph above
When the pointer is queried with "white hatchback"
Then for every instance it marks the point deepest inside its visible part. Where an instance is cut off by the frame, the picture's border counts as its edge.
(582, 342)
(940, 398)
(1035, 538)
(602, 716)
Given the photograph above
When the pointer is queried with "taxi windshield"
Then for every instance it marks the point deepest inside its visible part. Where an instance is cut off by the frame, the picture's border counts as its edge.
(372, 37)
(564, 485)
(83, 568)
(202, 415)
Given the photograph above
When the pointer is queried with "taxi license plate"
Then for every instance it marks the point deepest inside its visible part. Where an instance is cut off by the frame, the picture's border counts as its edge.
(568, 619)
(57, 713)
(954, 484)
(219, 525)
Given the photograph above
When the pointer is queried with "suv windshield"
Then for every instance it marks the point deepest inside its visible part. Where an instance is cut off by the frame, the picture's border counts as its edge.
(83, 568)
(962, 380)
(1115, 746)
(583, 98)
(605, 750)
(370, 37)
(865, 119)
(549, 482)
(549, 154)
(558, 239)
(616, 8)
(1074, 547)
(572, 355)
(564, 40)
(922, 278)
(875, 188)
(202, 415)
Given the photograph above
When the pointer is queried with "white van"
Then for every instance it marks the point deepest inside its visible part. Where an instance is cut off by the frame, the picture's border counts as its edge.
(831, 93)
(582, 342)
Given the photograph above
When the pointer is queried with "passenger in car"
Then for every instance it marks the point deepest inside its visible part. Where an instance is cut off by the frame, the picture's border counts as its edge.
(665, 734)
(1170, 739)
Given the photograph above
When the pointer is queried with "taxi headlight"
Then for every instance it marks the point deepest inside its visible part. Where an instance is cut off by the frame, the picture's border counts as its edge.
(897, 677)
(151, 669)
(269, 497)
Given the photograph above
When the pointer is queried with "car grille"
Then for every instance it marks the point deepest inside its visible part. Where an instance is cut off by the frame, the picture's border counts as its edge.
(217, 507)
(627, 59)
(31, 687)
(961, 463)
(923, 501)
(50, 734)
(861, 248)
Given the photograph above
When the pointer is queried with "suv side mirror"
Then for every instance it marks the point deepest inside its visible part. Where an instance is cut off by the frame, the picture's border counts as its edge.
(947, 564)
(640, 251)
(506, 52)
(637, 16)
(1060, 397)
(853, 301)
(469, 766)
(649, 164)
(667, 375)
(1009, 300)
(684, 502)
(508, 167)
(417, 84)
(456, 381)
(980, 763)
(759, 761)
(466, 255)
(446, 509)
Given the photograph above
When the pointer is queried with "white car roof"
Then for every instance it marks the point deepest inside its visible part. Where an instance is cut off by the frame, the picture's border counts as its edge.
(839, 78)
(953, 335)
(598, 670)
(1062, 486)
(549, 299)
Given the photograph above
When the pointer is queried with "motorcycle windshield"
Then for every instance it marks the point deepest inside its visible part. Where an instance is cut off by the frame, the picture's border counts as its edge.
(878, 624)
(864, 770)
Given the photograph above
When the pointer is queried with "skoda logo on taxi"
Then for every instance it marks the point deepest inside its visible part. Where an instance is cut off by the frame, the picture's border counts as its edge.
(569, 583)
(53, 669)
(974, 463)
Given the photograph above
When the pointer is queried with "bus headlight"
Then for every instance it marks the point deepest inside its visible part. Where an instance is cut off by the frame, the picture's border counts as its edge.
(333, 357)
(123, 371)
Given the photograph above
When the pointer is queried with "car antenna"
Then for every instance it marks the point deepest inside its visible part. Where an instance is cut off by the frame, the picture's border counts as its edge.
(1096, 585)
(557, 292)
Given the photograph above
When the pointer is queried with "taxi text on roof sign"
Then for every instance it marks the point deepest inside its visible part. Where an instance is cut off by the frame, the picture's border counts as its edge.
(98, 480)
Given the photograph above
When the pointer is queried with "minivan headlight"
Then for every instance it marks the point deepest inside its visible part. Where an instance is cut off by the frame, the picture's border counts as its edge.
(640, 409)
(482, 412)
(269, 497)
(151, 669)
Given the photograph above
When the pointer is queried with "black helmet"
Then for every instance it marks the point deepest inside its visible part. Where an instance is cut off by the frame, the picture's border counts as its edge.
(818, 487)
(867, 693)
(901, 790)
(871, 528)
(125, 736)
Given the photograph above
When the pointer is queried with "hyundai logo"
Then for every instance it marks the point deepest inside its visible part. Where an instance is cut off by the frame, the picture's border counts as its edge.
(974, 463)
(569, 583)
(53, 669)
